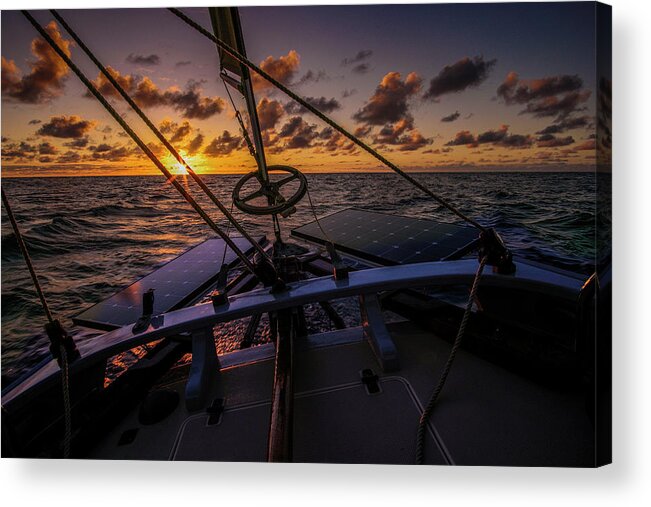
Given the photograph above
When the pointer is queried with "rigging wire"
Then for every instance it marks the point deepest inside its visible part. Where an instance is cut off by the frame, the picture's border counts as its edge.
(92, 89)
(244, 61)
(427, 413)
(158, 134)
(65, 384)
(245, 132)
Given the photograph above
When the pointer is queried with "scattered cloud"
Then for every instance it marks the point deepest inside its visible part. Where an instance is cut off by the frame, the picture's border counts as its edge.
(190, 101)
(403, 135)
(174, 131)
(269, 113)
(298, 133)
(361, 55)
(557, 96)
(466, 73)
(183, 63)
(283, 69)
(223, 145)
(361, 68)
(565, 124)
(499, 137)
(67, 127)
(136, 59)
(34, 122)
(47, 74)
(348, 93)
(47, 149)
(551, 141)
(312, 77)
(78, 143)
(323, 104)
(388, 104)
(451, 117)
(195, 144)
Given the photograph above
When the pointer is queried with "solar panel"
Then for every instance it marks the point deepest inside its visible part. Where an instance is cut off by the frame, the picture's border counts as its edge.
(389, 239)
(175, 285)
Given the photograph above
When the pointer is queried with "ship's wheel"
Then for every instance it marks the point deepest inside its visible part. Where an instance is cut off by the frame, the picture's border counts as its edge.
(256, 197)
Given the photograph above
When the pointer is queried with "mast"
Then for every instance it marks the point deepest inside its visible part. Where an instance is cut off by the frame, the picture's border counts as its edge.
(226, 26)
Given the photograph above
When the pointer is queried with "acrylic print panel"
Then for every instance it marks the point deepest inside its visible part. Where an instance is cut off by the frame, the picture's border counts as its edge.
(358, 234)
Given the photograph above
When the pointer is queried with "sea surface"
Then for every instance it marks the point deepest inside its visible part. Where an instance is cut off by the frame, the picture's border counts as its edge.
(92, 236)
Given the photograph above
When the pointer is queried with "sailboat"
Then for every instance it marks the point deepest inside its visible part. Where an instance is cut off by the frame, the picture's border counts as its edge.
(515, 375)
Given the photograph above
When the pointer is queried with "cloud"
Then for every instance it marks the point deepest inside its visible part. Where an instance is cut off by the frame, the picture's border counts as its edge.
(544, 97)
(588, 145)
(190, 101)
(551, 141)
(67, 127)
(136, 59)
(312, 77)
(403, 135)
(388, 104)
(183, 63)
(299, 133)
(361, 68)
(47, 75)
(321, 103)
(282, 69)
(361, 55)
(348, 93)
(223, 145)
(22, 150)
(269, 113)
(466, 73)
(195, 144)
(109, 153)
(34, 122)
(566, 124)
(559, 107)
(388, 108)
(80, 142)
(47, 149)
(176, 132)
(69, 157)
(451, 117)
(499, 137)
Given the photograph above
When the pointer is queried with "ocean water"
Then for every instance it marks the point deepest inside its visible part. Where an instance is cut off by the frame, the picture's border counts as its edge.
(90, 237)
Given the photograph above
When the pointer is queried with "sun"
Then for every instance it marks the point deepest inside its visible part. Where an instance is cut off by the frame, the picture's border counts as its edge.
(179, 168)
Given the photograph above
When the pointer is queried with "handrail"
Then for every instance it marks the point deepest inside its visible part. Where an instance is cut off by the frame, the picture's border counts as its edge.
(368, 281)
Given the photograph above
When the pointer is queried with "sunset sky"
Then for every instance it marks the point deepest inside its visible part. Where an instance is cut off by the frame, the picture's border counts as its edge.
(438, 87)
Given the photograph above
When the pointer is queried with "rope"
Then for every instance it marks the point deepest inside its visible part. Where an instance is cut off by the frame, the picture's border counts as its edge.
(244, 61)
(67, 412)
(158, 134)
(422, 424)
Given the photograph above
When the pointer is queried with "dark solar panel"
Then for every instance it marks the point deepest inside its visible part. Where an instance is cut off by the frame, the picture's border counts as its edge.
(390, 239)
(175, 284)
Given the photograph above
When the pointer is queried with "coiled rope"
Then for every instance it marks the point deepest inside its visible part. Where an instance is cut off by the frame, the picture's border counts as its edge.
(244, 61)
(228, 214)
(91, 88)
(67, 411)
(427, 413)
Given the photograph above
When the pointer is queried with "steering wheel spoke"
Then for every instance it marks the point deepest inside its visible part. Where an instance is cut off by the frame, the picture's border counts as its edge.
(254, 195)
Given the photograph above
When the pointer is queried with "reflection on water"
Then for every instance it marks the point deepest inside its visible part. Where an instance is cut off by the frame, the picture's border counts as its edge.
(90, 237)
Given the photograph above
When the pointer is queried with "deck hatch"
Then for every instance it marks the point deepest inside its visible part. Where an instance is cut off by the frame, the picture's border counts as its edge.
(175, 284)
(390, 239)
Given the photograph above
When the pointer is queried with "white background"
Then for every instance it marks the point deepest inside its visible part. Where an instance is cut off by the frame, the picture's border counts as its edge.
(626, 482)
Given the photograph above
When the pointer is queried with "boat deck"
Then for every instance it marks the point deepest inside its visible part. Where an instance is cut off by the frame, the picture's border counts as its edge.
(485, 415)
